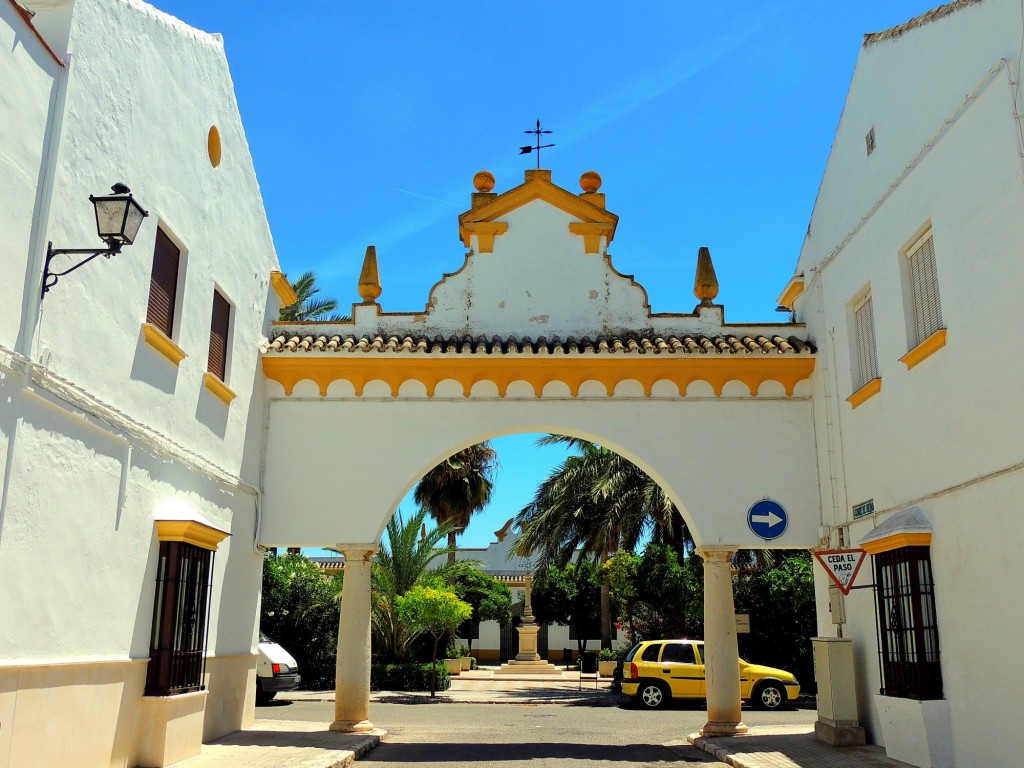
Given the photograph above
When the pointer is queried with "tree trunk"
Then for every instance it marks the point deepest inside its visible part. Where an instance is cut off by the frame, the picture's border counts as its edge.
(433, 668)
(606, 606)
(451, 547)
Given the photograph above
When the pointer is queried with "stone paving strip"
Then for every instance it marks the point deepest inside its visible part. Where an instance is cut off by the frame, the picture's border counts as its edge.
(285, 744)
(790, 747)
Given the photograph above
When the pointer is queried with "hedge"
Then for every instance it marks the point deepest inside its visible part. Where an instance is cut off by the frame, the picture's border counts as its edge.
(407, 677)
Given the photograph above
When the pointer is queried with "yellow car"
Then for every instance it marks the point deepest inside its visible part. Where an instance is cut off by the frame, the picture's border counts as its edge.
(656, 671)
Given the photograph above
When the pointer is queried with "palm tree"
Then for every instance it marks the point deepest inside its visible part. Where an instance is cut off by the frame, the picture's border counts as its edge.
(457, 488)
(592, 504)
(406, 558)
(309, 306)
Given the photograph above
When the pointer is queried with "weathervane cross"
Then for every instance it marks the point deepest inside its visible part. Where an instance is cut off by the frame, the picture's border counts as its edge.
(538, 147)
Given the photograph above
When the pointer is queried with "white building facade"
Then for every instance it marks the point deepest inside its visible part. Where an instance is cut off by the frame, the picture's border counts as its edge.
(910, 283)
(130, 395)
(149, 406)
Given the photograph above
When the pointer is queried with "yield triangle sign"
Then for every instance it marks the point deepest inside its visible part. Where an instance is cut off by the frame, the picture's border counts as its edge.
(842, 565)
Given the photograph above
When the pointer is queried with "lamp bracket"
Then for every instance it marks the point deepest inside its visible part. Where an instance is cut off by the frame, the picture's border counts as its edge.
(50, 277)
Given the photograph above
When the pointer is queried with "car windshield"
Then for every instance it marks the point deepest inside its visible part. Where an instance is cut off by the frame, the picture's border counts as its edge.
(265, 639)
(632, 652)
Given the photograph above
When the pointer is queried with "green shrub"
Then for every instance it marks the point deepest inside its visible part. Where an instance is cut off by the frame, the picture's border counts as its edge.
(472, 662)
(407, 677)
(607, 654)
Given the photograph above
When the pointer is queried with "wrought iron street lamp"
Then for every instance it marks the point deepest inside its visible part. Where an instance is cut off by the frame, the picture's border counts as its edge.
(118, 218)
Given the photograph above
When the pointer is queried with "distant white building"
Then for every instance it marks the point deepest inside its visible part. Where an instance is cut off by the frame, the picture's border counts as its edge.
(910, 281)
(495, 644)
(131, 397)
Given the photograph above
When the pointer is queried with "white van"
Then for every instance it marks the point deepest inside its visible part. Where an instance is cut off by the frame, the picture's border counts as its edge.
(276, 670)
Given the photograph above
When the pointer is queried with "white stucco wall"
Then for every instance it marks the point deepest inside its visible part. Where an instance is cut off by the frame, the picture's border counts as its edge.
(29, 73)
(99, 435)
(714, 474)
(946, 435)
(140, 112)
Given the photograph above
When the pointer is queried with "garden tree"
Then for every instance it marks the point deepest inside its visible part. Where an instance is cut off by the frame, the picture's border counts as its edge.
(570, 596)
(436, 610)
(406, 558)
(777, 589)
(620, 574)
(590, 505)
(490, 599)
(457, 488)
(299, 610)
(670, 594)
(310, 306)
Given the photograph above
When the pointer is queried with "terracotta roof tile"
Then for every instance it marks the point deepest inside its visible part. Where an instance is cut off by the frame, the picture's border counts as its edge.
(301, 342)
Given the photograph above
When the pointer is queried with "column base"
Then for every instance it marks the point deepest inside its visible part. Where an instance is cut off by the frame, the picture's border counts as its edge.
(718, 728)
(352, 726)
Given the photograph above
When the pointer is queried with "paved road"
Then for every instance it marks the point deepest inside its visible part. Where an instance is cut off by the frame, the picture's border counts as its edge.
(453, 735)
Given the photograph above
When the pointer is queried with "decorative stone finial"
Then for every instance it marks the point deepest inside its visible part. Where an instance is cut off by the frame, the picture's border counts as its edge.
(705, 284)
(369, 278)
(590, 181)
(483, 181)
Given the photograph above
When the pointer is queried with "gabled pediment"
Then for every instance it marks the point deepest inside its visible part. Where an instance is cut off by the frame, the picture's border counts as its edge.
(488, 207)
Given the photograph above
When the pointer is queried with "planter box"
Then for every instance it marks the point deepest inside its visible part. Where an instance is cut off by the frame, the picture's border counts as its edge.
(454, 666)
(916, 732)
(467, 663)
(606, 668)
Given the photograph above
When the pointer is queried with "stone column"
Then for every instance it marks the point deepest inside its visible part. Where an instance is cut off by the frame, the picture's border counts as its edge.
(352, 670)
(721, 651)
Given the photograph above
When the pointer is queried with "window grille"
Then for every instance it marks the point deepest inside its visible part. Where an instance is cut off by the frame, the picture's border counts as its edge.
(908, 633)
(177, 656)
(924, 285)
(217, 361)
(163, 284)
(866, 363)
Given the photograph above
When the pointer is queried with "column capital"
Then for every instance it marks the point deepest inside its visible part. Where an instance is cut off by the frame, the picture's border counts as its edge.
(357, 552)
(716, 553)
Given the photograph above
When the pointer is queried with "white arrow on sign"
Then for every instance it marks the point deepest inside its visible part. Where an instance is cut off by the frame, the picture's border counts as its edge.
(771, 518)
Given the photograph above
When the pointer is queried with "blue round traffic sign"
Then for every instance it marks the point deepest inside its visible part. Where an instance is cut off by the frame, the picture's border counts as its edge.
(767, 519)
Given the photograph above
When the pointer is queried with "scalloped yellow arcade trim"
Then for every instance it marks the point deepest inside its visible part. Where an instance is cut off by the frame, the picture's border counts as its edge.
(538, 371)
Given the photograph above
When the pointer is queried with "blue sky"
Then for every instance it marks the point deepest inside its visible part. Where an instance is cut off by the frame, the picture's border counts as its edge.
(710, 124)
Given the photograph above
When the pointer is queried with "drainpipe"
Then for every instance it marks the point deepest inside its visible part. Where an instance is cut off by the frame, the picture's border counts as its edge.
(31, 309)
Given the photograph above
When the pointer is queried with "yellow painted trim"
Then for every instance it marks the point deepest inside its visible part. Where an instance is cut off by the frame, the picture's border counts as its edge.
(537, 187)
(897, 541)
(285, 293)
(485, 232)
(591, 232)
(752, 370)
(219, 389)
(158, 341)
(190, 532)
(925, 349)
(869, 390)
(794, 288)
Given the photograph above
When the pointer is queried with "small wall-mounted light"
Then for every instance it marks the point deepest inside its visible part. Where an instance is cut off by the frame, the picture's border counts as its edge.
(118, 218)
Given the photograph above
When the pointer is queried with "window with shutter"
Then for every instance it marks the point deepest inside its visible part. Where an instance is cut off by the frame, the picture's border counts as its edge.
(924, 286)
(217, 364)
(163, 285)
(866, 353)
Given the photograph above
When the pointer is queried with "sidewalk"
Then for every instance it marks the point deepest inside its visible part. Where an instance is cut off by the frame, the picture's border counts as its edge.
(790, 747)
(296, 744)
(285, 744)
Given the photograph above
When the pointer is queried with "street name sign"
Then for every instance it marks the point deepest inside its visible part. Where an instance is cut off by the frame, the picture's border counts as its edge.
(767, 519)
(842, 565)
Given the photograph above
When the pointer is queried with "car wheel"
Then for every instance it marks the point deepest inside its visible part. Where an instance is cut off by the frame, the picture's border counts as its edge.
(769, 696)
(652, 695)
(264, 697)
